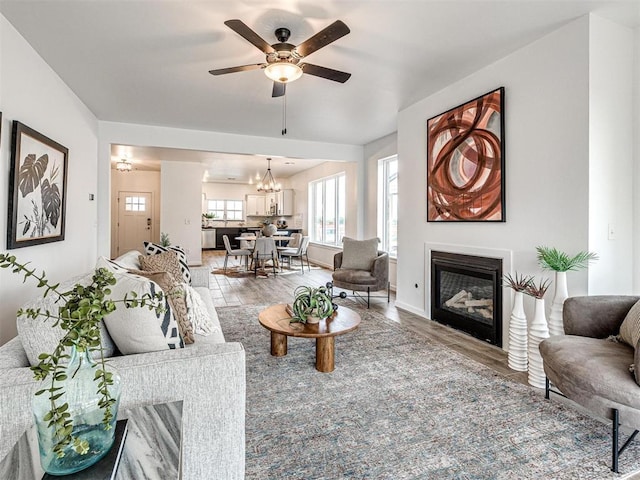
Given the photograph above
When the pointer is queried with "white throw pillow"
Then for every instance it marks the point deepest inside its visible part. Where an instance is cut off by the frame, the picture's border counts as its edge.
(198, 314)
(129, 260)
(139, 329)
(358, 254)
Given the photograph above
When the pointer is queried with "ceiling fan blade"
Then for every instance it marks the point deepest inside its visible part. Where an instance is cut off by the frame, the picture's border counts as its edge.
(241, 68)
(324, 72)
(323, 38)
(245, 32)
(279, 89)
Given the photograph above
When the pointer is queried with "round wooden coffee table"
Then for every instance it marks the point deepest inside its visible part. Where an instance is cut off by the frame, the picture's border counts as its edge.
(278, 322)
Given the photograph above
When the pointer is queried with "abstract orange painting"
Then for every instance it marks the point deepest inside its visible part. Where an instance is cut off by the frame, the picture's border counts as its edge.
(465, 162)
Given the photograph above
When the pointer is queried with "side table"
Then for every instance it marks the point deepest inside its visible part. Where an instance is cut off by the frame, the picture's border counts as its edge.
(153, 444)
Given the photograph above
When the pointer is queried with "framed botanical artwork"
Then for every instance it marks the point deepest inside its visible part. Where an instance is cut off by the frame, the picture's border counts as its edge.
(465, 162)
(37, 188)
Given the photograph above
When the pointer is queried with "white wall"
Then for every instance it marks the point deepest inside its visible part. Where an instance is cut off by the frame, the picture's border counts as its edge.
(181, 210)
(546, 139)
(636, 163)
(134, 181)
(610, 156)
(145, 135)
(373, 152)
(320, 254)
(33, 94)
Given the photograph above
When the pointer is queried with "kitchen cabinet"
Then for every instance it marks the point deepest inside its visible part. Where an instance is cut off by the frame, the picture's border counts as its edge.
(285, 202)
(271, 203)
(256, 205)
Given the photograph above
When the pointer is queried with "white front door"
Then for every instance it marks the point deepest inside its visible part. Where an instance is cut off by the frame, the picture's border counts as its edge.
(135, 213)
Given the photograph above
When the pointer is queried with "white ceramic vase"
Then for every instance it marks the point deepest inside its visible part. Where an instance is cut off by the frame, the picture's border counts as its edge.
(518, 335)
(538, 331)
(556, 325)
(269, 230)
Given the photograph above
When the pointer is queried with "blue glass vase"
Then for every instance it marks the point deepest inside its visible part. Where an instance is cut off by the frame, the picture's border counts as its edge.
(80, 389)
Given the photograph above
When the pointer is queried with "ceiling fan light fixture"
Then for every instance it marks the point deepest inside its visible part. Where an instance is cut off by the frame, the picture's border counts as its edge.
(283, 72)
(124, 165)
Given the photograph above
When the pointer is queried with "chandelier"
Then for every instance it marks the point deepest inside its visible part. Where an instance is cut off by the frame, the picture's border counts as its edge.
(123, 165)
(268, 184)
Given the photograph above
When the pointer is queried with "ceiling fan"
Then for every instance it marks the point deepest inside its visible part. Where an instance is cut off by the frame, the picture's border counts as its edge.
(284, 60)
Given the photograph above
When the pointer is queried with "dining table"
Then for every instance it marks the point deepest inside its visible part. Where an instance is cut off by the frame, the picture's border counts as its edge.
(277, 238)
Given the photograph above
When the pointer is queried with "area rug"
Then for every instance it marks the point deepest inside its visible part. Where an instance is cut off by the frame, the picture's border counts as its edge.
(399, 406)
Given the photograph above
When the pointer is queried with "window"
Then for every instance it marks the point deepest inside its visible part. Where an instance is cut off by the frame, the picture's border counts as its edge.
(225, 209)
(327, 207)
(388, 204)
(135, 204)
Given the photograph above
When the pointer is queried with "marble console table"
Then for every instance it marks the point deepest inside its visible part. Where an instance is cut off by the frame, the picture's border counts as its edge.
(151, 448)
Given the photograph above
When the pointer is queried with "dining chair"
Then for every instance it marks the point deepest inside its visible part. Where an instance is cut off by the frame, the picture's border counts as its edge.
(239, 252)
(293, 242)
(265, 250)
(247, 244)
(299, 252)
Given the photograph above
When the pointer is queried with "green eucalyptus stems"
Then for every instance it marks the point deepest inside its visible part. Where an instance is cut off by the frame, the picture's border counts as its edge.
(79, 316)
(310, 301)
(553, 259)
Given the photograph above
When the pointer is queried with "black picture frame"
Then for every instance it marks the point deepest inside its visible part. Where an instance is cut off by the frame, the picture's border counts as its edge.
(466, 161)
(37, 188)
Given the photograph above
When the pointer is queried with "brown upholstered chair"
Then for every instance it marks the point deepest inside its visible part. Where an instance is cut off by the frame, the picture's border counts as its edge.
(361, 279)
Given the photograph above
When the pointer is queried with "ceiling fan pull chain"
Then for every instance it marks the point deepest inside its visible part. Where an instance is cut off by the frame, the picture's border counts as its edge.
(284, 114)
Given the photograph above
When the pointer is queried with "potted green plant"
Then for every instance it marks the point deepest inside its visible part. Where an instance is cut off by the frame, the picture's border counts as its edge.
(310, 304)
(207, 219)
(165, 241)
(561, 263)
(77, 387)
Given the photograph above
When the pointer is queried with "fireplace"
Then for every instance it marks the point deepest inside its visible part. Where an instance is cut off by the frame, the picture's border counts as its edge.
(466, 294)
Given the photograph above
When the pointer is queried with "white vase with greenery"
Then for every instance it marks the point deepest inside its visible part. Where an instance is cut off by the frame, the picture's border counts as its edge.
(561, 263)
(76, 408)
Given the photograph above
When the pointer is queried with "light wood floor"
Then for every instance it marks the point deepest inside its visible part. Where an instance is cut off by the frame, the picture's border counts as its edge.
(246, 289)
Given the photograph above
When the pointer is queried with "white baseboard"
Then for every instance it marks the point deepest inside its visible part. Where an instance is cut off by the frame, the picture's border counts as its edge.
(411, 309)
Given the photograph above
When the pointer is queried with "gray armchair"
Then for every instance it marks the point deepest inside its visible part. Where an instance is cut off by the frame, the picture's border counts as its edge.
(372, 280)
(592, 369)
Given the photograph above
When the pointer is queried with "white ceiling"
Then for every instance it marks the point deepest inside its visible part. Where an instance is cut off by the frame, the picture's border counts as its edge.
(147, 61)
(217, 167)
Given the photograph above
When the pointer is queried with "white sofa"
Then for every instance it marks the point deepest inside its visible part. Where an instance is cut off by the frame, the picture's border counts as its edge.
(208, 375)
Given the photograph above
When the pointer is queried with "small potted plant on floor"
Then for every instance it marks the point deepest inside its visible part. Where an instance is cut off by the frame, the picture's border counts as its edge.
(75, 412)
(310, 305)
